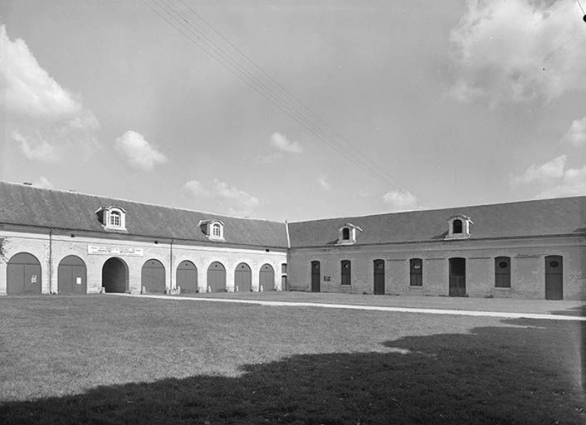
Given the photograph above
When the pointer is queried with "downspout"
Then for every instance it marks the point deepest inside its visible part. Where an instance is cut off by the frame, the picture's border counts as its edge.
(171, 268)
(50, 261)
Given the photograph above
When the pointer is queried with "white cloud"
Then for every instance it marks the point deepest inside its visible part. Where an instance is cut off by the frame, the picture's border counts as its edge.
(322, 180)
(543, 173)
(576, 134)
(269, 158)
(573, 183)
(38, 150)
(138, 152)
(223, 196)
(518, 50)
(281, 142)
(400, 200)
(44, 183)
(36, 106)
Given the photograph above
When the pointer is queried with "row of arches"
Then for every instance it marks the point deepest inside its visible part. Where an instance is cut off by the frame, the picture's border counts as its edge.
(24, 276)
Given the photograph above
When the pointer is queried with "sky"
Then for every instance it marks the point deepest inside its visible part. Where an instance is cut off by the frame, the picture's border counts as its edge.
(295, 110)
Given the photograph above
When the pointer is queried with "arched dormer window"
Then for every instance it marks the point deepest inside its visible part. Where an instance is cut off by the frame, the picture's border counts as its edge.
(213, 229)
(112, 218)
(459, 227)
(347, 234)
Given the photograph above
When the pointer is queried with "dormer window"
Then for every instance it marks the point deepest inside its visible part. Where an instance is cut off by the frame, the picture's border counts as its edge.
(213, 229)
(459, 227)
(112, 218)
(347, 234)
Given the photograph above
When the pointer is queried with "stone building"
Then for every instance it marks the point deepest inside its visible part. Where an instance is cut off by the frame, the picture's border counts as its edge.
(66, 242)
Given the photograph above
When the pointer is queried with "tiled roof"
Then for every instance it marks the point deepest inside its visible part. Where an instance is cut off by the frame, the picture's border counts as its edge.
(547, 217)
(29, 205)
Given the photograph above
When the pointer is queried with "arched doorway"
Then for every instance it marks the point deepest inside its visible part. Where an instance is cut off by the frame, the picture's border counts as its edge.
(217, 277)
(267, 278)
(457, 277)
(187, 277)
(242, 278)
(554, 277)
(315, 276)
(379, 277)
(23, 275)
(72, 276)
(115, 276)
(152, 277)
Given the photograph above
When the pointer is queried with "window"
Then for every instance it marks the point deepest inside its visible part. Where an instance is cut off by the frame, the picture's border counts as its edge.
(345, 234)
(213, 229)
(459, 227)
(284, 268)
(115, 219)
(502, 272)
(346, 273)
(112, 218)
(416, 272)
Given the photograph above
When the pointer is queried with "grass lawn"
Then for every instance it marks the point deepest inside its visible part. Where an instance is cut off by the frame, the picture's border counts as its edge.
(116, 360)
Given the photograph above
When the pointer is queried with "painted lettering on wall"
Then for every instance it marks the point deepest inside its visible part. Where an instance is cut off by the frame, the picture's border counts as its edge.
(115, 250)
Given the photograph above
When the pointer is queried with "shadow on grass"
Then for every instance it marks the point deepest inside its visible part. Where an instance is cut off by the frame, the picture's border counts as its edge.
(527, 372)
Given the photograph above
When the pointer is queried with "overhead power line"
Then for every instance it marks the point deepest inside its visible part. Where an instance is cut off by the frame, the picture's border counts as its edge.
(202, 34)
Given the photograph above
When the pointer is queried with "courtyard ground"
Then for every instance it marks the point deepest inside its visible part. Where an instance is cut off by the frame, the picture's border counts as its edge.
(120, 359)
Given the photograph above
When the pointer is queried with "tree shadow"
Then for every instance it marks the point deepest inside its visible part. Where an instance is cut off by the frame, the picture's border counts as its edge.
(526, 371)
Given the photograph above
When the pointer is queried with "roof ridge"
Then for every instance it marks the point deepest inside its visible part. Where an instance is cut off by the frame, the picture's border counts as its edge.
(74, 192)
(526, 201)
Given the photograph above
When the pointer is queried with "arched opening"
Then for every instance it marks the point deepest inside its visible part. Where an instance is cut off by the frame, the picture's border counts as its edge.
(217, 277)
(72, 276)
(23, 275)
(379, 277)
(242, 278)
(315, 276)
(267, 278)
(115, 276)
(187, 277)
(152, 277)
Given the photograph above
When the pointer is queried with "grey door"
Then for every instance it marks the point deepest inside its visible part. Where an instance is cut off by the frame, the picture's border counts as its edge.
(379, 277)
(315, 276)
(554, 282)
(72, 276)
(457, 277)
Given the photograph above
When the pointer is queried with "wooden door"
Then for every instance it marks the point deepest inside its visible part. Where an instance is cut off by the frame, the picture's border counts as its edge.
(153, 277)
(72, 276)
(187, 277)
(379, 277)
(554, 278)
(457, 277)
(315, 276)
(242, 278)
